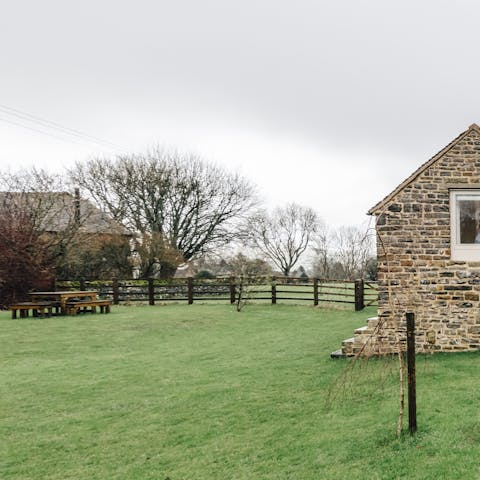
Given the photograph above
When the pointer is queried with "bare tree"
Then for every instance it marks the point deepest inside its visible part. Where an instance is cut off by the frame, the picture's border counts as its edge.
(48, 232)
(322, 263)
(95, 256)
(242, 265)
(36, 228)
(233, 264)
(353, 248)
(284, 234)
(174, 202)
(249, 274)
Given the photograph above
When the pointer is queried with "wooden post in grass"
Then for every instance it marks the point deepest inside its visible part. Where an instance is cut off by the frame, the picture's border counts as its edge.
(232, 290)
(115, 291)
(315, 291)
(412, 395)
(359, 295)
(151, 292)
(190, 290)
(274, 291)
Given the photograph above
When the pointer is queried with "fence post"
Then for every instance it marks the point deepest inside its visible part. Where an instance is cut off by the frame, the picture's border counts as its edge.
(359, 295)
(315, 291)
(190, 290)
(412, 395)
(232, 290)
(115, 291)
(151, 292)
(274, 291)
(82, 284)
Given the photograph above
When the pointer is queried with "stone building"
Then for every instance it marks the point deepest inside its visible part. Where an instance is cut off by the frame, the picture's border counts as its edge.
(428, 249)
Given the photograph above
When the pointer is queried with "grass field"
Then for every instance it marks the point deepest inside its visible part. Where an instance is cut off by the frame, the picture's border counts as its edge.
(204, 392)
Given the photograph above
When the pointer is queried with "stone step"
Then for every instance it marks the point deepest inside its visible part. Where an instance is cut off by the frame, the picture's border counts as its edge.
(347, 346)
(363, 330)
(356, 344)
(338, 354)
(372, 322)
(361, 339)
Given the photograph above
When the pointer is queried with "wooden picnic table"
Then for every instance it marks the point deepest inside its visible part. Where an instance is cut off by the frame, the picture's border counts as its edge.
(64, 297)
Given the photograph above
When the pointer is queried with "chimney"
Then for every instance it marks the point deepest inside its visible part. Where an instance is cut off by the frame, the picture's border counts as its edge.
(76, 206)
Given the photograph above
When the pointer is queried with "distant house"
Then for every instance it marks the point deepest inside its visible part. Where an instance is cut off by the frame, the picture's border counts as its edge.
(55, 212)
(428, 250)
(185, 270)
(50, 235)
(85, 240)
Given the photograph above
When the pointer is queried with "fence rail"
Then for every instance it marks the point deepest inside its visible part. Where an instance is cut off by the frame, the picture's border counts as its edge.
(227, 289)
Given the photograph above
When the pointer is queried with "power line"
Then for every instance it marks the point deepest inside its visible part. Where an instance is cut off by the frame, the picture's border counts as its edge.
(40, 131)
(55, 126)
(49, 124)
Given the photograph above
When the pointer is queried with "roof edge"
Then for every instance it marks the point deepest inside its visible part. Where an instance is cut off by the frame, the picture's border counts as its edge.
(422, 168)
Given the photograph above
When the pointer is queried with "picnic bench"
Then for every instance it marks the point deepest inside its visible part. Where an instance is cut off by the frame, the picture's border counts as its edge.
(64, 302)
(43, 309)
(63, 297)
(83, 306)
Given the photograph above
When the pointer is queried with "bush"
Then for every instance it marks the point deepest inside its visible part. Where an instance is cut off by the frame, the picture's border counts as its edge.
(205, 274)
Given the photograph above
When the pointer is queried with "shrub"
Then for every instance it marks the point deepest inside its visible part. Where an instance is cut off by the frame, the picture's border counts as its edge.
(205, 274)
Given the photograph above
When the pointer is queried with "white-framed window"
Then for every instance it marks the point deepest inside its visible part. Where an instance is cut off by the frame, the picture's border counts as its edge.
(465, 224)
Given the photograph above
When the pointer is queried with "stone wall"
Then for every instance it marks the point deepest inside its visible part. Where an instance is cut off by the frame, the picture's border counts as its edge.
(415, 270)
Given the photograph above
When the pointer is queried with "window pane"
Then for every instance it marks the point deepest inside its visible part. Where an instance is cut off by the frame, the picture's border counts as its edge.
(469, 213)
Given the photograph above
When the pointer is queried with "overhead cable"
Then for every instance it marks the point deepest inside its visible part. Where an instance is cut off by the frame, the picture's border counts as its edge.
(55, 127)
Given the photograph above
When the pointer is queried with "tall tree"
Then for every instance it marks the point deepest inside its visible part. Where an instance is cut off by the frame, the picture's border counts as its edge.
(284, 234)
(249, 267)
(322, 253)
(179, 205)
(353, 248)
(343, 254)
(95, 256)
(29, 248)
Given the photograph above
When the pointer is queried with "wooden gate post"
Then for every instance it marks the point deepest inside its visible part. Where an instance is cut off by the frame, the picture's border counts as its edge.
(359, 295)
(151, 292)
(315, 291)
(274, 291)
(115, 291)
(232, 290)
(412, 394)
(190, 290)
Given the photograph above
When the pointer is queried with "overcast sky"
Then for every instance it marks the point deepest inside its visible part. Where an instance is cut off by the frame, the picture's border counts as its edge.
(330, 104)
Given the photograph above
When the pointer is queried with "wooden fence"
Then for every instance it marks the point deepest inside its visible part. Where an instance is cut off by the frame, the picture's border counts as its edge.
(272, 290)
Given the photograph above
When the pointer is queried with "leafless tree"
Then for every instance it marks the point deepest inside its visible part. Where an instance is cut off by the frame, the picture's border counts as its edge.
(40, 199)
(49, 232)
(38, 195)
(284, 234)
(233, 264)
(353, 248)
(249, 274)
(344, 254)
(36, 228)
(174, 202)
(242, 265)
(322, 261)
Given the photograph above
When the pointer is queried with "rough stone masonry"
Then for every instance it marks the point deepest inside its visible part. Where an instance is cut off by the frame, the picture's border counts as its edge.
(416, 271)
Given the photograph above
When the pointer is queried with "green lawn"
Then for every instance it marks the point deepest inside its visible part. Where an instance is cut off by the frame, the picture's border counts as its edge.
(203, 392)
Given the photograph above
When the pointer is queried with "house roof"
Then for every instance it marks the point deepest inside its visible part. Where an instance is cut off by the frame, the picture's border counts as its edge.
(378, 207)
(56, 212)
(94, 220)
